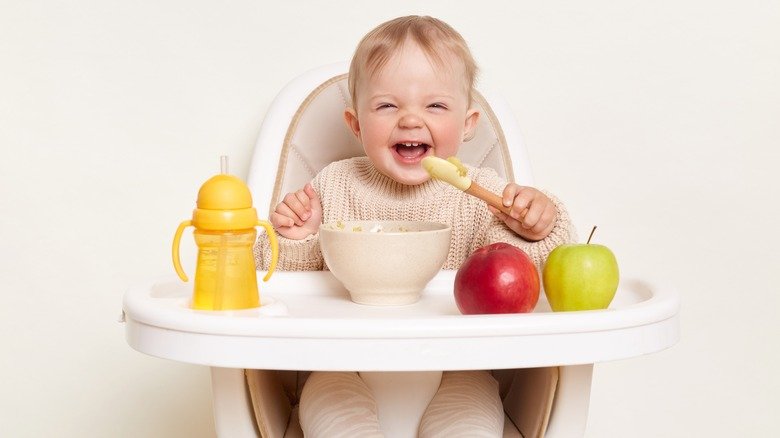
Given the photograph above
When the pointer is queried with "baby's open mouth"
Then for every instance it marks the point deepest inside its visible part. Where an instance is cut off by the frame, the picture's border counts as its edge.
(411, 150)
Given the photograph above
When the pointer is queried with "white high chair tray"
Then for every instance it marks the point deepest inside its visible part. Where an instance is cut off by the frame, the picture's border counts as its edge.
(309, 323)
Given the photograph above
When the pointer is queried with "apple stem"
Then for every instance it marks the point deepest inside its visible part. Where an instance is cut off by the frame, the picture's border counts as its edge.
(591, 234)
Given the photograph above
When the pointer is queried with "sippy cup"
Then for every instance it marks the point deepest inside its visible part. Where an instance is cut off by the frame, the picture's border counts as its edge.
(225, 274)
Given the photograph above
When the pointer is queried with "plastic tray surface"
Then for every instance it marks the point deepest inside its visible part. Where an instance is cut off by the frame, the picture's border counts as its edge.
(307, 321)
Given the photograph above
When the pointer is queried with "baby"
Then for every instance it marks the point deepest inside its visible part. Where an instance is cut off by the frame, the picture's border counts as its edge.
(411, 81)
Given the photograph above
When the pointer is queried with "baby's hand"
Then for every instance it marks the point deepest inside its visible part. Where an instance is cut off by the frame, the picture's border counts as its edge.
(298, 215)
(531, 215)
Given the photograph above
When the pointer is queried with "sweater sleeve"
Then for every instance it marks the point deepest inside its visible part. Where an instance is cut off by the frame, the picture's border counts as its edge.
(294, 255)
(563, 231)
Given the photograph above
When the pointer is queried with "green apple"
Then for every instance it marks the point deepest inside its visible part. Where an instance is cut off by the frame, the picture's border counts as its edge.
(580, 276)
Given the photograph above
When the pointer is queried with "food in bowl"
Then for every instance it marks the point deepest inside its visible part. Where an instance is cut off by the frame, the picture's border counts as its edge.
(384, 262)
(377, 227)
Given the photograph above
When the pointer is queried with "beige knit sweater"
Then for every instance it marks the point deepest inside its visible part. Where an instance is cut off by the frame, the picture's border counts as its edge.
(353, 189)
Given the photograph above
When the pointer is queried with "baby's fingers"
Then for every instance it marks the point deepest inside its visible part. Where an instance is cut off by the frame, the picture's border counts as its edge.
(510, 222)
(534, 215)
(293, 212)
(522, 205)
(510, 198)
(509, 194)
(279, 220)
(547, 220)
(311, 193)
(542, 226)
(296, 203)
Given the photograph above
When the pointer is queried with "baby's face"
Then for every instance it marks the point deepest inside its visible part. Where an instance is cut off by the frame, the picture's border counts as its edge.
(411, 109)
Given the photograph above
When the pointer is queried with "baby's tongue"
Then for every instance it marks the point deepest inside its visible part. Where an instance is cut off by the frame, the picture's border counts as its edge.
(410, 151)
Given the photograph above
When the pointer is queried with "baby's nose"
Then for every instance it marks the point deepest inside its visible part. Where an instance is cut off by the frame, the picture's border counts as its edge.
(410, 120)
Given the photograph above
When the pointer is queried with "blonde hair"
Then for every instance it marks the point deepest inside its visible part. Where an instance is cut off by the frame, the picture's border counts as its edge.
(435, 37)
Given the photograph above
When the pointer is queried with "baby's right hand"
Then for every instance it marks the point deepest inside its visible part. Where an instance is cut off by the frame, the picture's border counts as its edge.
(298, 215)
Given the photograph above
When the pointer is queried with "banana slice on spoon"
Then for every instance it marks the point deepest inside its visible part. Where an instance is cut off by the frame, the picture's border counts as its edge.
(453, 172)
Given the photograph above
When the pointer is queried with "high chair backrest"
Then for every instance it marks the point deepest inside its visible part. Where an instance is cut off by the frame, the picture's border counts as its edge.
(304, 131)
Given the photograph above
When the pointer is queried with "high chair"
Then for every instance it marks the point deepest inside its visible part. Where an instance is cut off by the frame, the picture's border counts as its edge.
(260, 358)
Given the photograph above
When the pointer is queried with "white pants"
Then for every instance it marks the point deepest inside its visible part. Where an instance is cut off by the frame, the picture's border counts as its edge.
(339, 404)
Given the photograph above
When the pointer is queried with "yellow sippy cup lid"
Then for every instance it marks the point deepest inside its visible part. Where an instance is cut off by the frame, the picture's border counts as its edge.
(224, 203)
(224, 192)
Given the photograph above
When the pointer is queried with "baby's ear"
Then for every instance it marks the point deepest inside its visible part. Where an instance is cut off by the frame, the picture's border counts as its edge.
(470, 125)
(350, 117)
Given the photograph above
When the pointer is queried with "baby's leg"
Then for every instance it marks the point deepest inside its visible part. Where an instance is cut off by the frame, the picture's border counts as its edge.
(338, 404)
(466, 405)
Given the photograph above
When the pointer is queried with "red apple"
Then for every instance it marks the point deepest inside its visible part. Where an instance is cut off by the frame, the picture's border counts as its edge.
(497, 278)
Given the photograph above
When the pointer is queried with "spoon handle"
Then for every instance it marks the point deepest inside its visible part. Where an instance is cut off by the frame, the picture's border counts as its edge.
(491, 198)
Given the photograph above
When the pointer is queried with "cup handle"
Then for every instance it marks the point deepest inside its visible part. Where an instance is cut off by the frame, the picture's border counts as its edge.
(175, 249)
(274, 247)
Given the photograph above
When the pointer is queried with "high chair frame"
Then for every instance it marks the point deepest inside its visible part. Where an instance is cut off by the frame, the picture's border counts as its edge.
(259, 357)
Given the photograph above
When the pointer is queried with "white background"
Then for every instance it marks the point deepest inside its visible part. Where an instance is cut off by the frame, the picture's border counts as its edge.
(658, 121)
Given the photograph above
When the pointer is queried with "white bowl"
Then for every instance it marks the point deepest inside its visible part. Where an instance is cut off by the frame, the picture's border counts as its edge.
(384, 263)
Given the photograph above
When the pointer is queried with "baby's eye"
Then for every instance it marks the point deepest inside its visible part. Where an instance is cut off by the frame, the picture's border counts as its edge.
(438, 105)
(385, 105)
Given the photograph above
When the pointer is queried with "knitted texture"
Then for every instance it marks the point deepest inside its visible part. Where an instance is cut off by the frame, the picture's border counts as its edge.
(338, 404)
(466, 405)
(353, 189)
